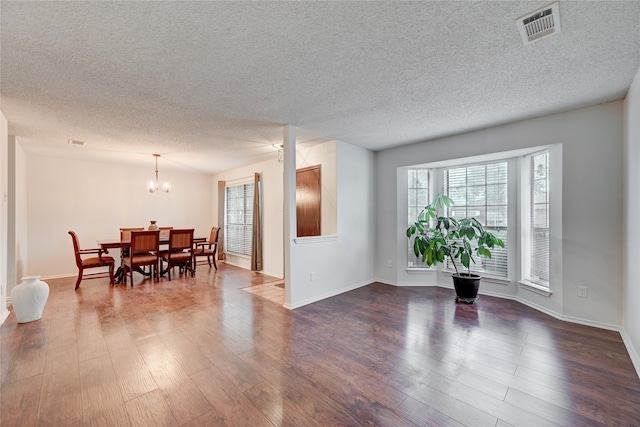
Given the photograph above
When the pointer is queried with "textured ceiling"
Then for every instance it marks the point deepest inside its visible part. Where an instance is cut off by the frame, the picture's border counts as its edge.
(210, 84)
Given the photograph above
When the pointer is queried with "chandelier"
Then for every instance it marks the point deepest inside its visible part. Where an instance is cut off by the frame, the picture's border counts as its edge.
(153, 186)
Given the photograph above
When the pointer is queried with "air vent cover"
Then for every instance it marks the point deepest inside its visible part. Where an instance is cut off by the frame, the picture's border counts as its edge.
(540, 23)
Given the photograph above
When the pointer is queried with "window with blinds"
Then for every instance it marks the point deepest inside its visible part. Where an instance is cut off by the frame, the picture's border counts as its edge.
(539, 224)
(480, 191)
(238, 224)
(418, 198)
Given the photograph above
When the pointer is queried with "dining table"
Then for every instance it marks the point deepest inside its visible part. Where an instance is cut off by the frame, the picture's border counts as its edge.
(123, 244)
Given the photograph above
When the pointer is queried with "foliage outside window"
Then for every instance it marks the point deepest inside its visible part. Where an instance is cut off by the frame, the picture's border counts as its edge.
(238, 219)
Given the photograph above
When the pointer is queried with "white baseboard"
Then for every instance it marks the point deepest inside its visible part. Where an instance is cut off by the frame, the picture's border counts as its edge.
(4, 316)
(633, 353)
(552, 313)
(268, 273)
(63, 276)
(406, 284)
(327, 295)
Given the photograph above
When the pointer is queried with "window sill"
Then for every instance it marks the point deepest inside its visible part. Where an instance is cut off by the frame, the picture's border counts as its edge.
(484, 277)
(420, 270)
(541, 290)
(237, 255)
(314, 239)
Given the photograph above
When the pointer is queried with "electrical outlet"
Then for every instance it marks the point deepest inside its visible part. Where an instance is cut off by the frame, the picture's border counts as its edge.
(582, 291)
(389, 263)
(312, 276)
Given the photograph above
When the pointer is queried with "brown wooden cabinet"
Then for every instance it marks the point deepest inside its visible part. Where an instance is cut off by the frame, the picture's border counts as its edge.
(308, 201)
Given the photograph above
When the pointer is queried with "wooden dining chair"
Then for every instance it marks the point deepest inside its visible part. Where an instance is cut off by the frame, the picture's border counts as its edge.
(125, 236)
(207, 248)
(180, 251)
(92, 262)
(164, 232)
(143, 251)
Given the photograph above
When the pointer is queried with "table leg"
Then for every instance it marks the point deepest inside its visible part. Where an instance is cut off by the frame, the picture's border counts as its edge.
(118, 276)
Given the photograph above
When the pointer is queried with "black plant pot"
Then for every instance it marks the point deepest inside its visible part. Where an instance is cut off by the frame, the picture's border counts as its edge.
(466, 287)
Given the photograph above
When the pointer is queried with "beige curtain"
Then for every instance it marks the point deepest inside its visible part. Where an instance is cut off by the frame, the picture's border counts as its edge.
(256, 246)
(222, 186)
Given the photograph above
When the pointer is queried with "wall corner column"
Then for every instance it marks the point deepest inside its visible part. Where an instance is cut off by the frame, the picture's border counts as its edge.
(290, 229)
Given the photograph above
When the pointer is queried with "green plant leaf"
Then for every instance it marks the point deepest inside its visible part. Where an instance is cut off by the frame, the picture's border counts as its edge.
(465, 259)
(411, 230)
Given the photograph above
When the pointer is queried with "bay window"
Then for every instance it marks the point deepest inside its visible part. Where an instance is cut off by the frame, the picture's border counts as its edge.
(509, 193)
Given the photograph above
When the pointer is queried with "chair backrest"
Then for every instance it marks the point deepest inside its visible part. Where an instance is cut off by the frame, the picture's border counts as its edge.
(76, 248)
(125, 233)
(213, 237)
(164, 232)
(180, 239)
(145, 241)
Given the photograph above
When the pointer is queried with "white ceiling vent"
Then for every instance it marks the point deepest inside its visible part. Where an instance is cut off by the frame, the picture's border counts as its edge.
(540, 23)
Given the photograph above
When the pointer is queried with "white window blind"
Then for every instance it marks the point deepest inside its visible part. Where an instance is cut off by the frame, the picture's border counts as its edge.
(418, 192)
(539, 226)
(480, 191)
(238, 219)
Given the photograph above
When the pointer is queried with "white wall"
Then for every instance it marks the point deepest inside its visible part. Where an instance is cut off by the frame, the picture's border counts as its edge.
(17, 235)
(272, 223)
(95, 199)
(4, 213)
(324, 155)
(344, 262)
(592, 141)
(631, 294)
(19, 208)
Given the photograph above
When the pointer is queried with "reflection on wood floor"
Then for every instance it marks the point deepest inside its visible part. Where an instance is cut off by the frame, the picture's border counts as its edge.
(203, 351)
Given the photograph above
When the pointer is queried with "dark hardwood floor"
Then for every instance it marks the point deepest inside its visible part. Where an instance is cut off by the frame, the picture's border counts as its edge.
(201, 352)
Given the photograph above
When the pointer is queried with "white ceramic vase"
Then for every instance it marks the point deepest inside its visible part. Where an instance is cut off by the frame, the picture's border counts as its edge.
(28, 298)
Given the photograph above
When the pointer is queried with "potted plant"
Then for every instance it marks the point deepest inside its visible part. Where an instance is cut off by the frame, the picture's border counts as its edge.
(438, 237)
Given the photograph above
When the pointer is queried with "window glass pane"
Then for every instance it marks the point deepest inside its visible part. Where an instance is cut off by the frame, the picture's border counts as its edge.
(541, 216)
(498, 261)
(478, 212)
(540, 194)
(497, 173)
(540, 268)
(476, 195)
(458, 195)
(496, 216)
(540, 166)
(497, 194)
(458, 212)
(476, 175)
(457, 177)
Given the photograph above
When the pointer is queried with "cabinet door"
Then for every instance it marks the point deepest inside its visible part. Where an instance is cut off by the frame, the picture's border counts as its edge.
(308, 201)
